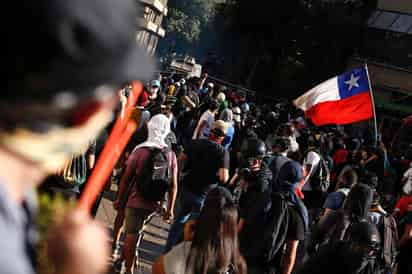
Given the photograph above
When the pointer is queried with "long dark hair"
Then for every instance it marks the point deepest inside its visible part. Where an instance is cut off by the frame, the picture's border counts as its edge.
(215, 246)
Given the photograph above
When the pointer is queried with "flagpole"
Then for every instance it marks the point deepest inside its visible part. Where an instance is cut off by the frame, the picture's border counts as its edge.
(373, 107)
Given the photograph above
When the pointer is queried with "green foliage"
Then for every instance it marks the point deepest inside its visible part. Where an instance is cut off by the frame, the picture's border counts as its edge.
(186, 21)
(183, 26)
(51, 211)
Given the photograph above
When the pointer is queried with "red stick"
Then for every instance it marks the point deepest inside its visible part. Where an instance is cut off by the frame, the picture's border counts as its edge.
(117, 141)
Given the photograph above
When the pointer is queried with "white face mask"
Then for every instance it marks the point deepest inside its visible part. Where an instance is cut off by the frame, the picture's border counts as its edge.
(154, 90)
(51, 150)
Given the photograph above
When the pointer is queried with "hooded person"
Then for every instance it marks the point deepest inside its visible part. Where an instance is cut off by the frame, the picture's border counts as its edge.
(227, 117)
(140, 208)
(357, 255)
(333, 227)
(59, 92)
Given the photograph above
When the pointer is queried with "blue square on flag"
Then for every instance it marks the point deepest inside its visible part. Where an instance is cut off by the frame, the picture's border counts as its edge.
(353, 83)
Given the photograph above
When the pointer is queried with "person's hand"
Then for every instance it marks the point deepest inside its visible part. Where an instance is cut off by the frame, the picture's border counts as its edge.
(168, 216)
(78, 245)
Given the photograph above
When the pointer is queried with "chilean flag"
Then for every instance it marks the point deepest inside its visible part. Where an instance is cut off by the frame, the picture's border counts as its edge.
(344, 99)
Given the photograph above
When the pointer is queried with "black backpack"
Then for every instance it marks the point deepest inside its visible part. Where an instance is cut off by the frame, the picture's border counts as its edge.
(155, 180)
(276, 227)
(320, 179)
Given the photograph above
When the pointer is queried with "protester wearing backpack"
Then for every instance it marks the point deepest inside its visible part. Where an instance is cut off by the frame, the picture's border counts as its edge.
(276, 222)
(333, 227)
(205, 164)
(145, 183)
(317, 181)
(357, 255)
(388, 231)
(335, 200)
(280, 148)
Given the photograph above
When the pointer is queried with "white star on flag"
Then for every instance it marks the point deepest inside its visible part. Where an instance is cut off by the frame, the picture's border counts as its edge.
(353, 82)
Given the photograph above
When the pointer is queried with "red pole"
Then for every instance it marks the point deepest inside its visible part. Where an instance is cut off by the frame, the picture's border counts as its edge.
(117, 141)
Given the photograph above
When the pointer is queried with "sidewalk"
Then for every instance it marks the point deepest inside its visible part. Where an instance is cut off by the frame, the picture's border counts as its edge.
(154, 238)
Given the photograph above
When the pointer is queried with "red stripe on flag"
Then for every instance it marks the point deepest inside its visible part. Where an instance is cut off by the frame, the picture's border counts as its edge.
(346, 111)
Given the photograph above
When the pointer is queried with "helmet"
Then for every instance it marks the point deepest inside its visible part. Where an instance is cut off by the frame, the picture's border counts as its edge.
(253, 148)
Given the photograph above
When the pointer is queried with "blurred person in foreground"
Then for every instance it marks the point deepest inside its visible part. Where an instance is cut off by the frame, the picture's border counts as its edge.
(60, 93)
(210, 243)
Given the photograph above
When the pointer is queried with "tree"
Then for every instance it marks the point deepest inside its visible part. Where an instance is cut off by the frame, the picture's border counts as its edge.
(285, 47)
(187, 23)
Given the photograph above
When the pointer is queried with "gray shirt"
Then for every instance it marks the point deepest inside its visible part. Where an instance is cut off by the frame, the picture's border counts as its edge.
(17, 235)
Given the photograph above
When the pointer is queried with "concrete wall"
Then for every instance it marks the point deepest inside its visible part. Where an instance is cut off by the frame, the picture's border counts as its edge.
(404, 6)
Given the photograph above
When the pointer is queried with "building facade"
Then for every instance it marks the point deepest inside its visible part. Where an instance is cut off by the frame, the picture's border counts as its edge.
(150, 29)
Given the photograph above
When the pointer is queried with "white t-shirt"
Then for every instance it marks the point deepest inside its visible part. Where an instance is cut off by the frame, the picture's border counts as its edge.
(175, 261)
(208, 117)
(407, 188)
(313, 160)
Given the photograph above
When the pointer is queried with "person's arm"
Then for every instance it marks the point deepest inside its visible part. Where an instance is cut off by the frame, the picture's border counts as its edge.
(172, 194)
(407, 235)
(223, 175)
(91, 160)
(224, 170)
(240, 225)
(234, 179)
(158, 266)
(91, 155)
(289, 257)
(326, 211)
(181, 161)
(308, 172)
(202, 124)
(188, 101)
(124, 182)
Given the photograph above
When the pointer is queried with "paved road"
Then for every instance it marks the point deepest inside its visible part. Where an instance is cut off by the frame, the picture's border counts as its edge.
(154, 237)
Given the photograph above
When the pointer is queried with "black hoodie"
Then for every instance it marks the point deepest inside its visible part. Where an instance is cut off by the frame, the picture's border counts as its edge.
(333, 227)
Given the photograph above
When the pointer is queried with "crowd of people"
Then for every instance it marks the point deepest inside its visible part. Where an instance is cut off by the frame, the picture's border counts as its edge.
(259, 189)
(246, 188)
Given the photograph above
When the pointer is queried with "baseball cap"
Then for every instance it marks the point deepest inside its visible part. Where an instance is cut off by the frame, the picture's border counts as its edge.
(219, 128)
(155, 83)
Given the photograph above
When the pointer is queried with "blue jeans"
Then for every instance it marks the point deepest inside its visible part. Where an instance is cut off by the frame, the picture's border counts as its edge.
(189, 204)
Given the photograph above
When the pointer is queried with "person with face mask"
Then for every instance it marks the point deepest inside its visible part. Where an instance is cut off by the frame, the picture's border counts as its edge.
(59, 94)
(255, 179)
(356, 255)
(154, 89)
